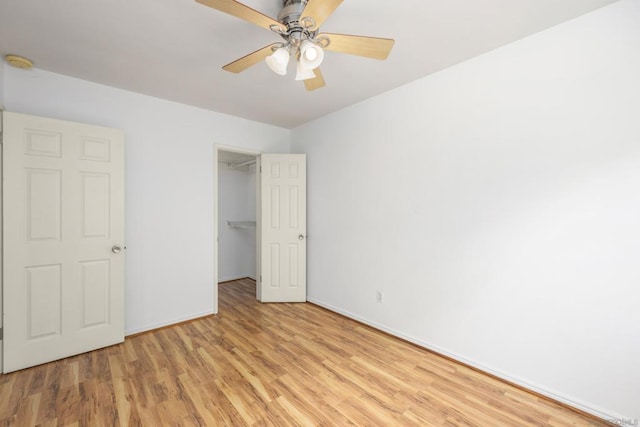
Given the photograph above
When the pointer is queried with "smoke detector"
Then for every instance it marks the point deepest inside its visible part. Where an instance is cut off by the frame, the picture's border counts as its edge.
(19, 62)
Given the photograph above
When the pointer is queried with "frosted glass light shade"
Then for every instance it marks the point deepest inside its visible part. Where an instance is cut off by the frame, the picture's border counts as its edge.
(303, 73)
(311, 55)
(278, 61)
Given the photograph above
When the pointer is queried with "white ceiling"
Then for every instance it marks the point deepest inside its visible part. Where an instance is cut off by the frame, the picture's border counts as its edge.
(174, 49)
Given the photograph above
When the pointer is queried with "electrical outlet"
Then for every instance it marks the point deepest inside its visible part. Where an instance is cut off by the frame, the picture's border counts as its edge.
(379, 296)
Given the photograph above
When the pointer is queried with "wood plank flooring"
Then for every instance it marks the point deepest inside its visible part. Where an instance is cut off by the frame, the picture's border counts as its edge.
(267, 365)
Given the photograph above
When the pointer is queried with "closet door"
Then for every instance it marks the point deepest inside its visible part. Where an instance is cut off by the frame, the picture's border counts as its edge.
(283, 228)
(63, 222)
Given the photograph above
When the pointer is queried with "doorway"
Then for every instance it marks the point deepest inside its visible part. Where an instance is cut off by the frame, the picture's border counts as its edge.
(236, 213)
(273, 222)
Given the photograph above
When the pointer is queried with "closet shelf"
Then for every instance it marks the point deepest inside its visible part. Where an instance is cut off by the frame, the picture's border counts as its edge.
(241, 224)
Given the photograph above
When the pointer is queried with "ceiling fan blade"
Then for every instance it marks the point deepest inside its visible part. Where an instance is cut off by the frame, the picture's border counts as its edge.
(316, 83)
(253, 58)
(371, 47)
(320, 10)
(241, 11)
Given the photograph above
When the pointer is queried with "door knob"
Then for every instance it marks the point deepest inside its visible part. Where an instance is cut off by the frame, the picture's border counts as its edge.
(116, 249)
(301, 237)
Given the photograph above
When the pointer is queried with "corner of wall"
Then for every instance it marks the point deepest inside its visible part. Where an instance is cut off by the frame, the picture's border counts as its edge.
(290, 140)
(2, 65)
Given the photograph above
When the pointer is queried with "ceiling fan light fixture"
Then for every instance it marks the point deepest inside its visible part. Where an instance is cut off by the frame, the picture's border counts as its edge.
(311, 55)
(299, 23)
(278, 61)
(304, 73)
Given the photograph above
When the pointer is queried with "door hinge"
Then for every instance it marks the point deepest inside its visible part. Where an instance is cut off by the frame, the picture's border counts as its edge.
(1, 337)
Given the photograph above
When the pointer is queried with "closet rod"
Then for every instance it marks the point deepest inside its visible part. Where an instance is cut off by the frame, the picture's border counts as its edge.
(239, 165)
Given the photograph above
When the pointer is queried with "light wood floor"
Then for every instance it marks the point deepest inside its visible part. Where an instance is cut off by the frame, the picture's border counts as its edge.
(272, 364)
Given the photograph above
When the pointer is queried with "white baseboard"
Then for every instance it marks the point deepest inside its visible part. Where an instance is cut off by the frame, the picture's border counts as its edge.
(167, 323)
(575, 403)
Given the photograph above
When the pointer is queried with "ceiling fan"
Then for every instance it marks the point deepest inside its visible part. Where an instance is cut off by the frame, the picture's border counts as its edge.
(298, 23)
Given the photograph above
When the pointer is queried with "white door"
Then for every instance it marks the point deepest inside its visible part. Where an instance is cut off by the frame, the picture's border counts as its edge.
(283, 228)
(63, 279)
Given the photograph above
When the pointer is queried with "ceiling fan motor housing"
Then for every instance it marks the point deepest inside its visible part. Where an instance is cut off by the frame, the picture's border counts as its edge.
(297, 30)
(291, 11)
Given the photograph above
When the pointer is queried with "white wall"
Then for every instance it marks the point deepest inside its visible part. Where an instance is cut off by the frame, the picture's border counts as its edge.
(496, 205)
(236, 202)
(2, 65)
(169, 184)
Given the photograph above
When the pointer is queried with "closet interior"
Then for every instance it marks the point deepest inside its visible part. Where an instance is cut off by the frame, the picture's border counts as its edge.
(236, 216)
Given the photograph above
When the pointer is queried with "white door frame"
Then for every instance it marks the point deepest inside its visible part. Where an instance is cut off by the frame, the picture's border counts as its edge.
(216, 219)
(1, 251)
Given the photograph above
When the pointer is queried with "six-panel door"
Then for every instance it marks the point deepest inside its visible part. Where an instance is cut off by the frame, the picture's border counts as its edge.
(283, 228)
(63, 193)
